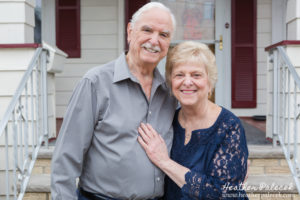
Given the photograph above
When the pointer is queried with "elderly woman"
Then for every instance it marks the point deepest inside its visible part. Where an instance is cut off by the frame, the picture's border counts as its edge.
(209, 153)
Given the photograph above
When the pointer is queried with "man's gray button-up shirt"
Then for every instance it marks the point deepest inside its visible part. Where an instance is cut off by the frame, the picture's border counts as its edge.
(98, 138)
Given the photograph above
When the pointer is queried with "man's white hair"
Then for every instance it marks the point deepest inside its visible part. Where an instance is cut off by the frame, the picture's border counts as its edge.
(148, 6)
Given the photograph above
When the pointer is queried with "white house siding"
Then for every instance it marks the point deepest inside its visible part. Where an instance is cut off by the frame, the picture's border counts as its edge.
(101, 42)
(264, 35)
(293, 20)
(16, 21)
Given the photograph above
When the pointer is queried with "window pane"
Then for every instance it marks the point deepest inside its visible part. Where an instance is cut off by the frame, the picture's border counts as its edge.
(195, 18)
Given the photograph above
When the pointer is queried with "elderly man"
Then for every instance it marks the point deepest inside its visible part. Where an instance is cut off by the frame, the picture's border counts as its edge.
(97, 142)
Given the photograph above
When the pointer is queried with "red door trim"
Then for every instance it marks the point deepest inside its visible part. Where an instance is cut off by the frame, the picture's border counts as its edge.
(251, 103)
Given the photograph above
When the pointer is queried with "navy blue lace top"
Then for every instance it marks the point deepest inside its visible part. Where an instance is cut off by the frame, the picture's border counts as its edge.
(217, 159)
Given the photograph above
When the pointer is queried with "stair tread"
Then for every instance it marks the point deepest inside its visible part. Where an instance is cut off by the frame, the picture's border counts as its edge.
(39, 183)
(254, 184)
(255, 151)
(45, 153)
(270, 184)
(266, 151)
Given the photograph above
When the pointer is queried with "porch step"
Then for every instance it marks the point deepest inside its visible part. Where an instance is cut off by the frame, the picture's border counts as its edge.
(265, 151)
(39, 183)
(268, 174)
(257, 187)
(271, 187)
(46, 153)
(267, 160)
(270, 184)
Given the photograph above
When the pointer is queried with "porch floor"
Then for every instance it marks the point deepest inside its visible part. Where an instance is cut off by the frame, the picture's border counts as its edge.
(255, 131)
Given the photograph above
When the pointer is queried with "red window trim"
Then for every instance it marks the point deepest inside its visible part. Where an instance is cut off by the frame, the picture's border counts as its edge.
(76, 53)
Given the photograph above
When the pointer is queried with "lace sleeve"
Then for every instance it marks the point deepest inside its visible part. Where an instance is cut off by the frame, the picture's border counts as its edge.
(226, 172)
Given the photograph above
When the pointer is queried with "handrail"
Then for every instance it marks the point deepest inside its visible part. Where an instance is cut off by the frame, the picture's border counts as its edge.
(289, 65)
(19, 90)
(25, 125)
(285, 123)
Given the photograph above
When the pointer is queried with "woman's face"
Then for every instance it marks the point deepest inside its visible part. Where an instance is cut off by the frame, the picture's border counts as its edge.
(190, 83)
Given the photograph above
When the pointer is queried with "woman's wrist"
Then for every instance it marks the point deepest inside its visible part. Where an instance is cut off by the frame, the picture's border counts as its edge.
(165, 164)
(175, 171)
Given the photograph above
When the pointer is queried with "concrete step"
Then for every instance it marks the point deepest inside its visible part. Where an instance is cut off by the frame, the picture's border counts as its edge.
(266, 152)
(275, 183)
(267, 160)
(39, 183)
(257, 184)
(268, 173)
(45, 153)
(255, 151)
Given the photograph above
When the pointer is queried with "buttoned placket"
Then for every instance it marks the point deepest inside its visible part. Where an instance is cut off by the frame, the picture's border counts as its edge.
(149, 111)
(157, 173)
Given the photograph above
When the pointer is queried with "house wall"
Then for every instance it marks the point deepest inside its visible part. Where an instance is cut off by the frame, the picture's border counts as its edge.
(264, 37)
(11, 72)
(293, 20)
(16, 21)
(102, 37)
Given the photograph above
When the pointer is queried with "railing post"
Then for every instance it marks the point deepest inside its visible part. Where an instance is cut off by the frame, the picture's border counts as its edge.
(275, 91)
(45, 95)
(288, 113)
(295, 129)
(6, 164)
(15, 147)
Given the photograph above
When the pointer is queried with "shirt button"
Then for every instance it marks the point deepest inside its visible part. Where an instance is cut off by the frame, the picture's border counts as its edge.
(158, 179)
(150, 112)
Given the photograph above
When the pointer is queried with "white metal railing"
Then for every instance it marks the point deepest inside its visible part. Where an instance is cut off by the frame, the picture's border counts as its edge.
(285, 110)
(24, 126)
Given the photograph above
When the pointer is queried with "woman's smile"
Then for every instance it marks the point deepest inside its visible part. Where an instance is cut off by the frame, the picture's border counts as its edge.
(190, 83)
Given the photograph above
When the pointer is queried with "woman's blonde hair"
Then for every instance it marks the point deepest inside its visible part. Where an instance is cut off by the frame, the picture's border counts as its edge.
(192, 52)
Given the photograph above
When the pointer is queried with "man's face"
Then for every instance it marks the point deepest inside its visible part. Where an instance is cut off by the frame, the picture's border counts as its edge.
(150, 37)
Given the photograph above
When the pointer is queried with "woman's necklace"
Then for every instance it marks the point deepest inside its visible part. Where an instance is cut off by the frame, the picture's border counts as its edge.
(188, 131)
(187, 138)
(190, 126)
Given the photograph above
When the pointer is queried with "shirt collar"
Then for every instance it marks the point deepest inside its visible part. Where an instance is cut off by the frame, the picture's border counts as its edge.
(122, 72)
